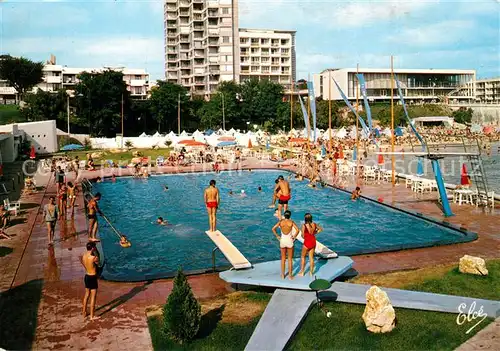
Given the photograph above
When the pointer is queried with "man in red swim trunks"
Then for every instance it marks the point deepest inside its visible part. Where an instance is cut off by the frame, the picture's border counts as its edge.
(284, 195)
(212, 200)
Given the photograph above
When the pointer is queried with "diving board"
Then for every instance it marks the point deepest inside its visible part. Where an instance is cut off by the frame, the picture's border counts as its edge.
(269, 273)
(281, 319)
(320, 250)
(232, 254)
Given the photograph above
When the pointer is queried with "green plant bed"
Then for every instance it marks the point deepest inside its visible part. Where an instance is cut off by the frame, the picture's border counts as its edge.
(10, 114)
(456, 283)
(222, 336)
(345, 330)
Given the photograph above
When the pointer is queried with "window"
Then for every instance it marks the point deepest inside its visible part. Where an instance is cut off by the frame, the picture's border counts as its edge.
(225, 11)
(225, 40)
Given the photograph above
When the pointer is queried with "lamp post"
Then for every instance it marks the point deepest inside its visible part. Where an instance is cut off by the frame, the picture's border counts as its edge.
(248, 126)
(68, 93)
(223, 114)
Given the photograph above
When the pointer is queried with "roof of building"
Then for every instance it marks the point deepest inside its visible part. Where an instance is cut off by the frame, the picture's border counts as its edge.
(433, 119)
(261, 30)
(403, 70)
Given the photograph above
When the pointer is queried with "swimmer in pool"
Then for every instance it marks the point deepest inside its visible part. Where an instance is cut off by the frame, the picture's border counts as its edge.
(161, 221)
(165, 188)
(259, 189)
(124, 241)
(289, 231)
(356, 194)
(230, 192)
(243, 193)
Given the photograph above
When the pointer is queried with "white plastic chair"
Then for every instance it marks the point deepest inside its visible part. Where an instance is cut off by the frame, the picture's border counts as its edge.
(12, 206)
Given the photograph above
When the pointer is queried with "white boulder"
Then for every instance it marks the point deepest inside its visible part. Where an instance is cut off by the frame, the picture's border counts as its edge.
(472, 265)
(379, 315)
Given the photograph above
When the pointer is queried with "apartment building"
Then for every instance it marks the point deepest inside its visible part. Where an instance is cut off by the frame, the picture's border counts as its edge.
(267, 54)
(57, 77)
(418, 85)
(201, 43)
(488, 90)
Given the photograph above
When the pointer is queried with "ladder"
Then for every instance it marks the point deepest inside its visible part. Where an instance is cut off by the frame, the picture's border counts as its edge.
(478, 174)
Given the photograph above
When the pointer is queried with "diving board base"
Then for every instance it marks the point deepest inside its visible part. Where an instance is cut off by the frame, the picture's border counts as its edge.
(269, 273)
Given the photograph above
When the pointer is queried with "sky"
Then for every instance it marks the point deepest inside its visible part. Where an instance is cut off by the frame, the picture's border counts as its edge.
(460, 34)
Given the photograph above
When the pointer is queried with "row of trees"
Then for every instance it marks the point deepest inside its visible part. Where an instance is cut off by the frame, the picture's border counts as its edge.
(99, 99)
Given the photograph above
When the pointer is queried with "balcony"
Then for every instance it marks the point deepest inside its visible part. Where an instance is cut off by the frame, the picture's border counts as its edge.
(184, 3)
(137, 82)
(212, 31)
(52, 79)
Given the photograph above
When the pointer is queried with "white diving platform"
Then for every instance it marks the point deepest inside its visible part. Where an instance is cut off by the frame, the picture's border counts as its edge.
(232, 254)
(269, 273)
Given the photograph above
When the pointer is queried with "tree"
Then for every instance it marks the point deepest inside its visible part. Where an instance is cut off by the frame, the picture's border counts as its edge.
(164, 103)
(21, 73)
(260, 100)
(99, 101)
(44, 105)
(182, 312)
(225, 105)
(463, 115)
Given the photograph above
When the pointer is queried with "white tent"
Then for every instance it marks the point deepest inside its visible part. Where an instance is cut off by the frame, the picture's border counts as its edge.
(143, 135)
(341, 133)
(232, 131)
(157, 135)
(184, 134)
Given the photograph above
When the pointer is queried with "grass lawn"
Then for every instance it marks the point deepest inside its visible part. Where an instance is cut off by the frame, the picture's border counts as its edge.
(119, 156)
(10, 114)
(345, 330)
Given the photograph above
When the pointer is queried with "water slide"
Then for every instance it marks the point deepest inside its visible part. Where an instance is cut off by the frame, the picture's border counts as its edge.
(232, 254)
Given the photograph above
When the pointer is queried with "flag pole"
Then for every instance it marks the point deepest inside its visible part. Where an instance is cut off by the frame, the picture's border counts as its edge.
(308, 117)
(291, 107)
(330, 111)
(357, 128)
(179, 114)
(392, 121)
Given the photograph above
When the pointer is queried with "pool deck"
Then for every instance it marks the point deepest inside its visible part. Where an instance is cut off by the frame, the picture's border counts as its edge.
(121, 306)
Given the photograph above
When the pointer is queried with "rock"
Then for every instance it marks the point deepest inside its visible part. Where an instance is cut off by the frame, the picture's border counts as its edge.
(472, 265)
(379, 315)
(96, 155)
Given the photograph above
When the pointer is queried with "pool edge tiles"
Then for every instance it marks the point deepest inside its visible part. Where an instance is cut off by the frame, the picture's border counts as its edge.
(454, 235)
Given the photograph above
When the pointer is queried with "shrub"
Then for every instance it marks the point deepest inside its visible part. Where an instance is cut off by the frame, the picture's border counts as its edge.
(87, 144)
(168, 143)
(182, 312)
(128, 144)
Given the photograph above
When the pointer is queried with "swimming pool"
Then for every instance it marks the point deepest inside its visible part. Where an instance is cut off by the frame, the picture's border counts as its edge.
(350, 227)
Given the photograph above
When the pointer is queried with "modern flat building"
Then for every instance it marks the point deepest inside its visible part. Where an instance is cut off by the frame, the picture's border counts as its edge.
(418, 85)
(268, 54)
(488, 91)
(201, 43)
(62, 77)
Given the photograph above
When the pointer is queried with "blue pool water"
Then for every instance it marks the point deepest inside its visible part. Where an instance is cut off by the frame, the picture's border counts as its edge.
(133, 205)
